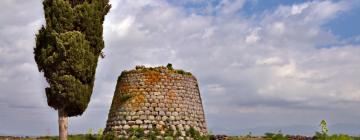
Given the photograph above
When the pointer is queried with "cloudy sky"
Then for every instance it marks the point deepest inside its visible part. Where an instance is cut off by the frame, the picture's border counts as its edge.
(262, 66)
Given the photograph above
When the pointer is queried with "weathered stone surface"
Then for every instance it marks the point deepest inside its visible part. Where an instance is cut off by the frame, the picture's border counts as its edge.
(159, 98)
(126, 127)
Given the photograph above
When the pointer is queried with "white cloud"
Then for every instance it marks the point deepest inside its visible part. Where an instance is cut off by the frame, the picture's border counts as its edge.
(298, 8)
(215, 89)
(326, 9)
(253, 37)
(230, 6)
(208, 33)
(122, 28)
(270, 61)
(278, 28)
(287, 70)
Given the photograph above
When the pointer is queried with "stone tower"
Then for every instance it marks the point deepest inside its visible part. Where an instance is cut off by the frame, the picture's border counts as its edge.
(161, 98)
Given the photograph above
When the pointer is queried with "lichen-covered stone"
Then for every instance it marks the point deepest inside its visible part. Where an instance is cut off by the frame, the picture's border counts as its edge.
(159, 98)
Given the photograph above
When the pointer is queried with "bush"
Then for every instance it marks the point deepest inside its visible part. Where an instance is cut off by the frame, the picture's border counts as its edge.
(322, 136)
(169, 66)
(273, 136)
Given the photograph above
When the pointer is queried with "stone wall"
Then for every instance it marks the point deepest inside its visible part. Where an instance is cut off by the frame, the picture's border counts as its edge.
(160, 98)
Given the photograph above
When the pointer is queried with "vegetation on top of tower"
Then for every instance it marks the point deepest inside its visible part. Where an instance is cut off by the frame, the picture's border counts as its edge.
(168, 68)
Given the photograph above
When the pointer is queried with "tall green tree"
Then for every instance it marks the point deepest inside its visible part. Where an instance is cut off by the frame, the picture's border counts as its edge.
(67, 51)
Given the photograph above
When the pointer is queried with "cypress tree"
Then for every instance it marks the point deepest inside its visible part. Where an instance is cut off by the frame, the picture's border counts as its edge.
(67, 50)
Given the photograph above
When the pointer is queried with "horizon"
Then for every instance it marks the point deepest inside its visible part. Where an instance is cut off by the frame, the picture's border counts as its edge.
(262, 66)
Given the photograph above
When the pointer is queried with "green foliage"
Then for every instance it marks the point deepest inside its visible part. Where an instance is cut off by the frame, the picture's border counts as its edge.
(180, 72)
(273, 136)
(321, 136)
(183, 72)
(109, 136)
(356, 138)
(100, 132)
(324, 128)
(90, 135)
(124, 97)
(136, 133)
(168, 138)
(153, 133)
(158, 69)
(169, 66)
(192, 132)
(67, 50)
(324, 131)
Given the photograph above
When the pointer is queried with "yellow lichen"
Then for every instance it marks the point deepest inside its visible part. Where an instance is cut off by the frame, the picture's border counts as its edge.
(137, 100)
(152, 77)
(170, 97)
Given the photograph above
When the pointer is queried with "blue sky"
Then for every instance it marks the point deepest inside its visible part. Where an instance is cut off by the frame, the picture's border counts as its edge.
(344, 26)
(262, 65)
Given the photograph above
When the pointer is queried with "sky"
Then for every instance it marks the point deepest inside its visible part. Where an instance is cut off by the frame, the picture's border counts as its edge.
(262, 66)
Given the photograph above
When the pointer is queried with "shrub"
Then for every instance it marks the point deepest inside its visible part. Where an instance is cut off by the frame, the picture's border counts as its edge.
(273, 136)
(169, 66)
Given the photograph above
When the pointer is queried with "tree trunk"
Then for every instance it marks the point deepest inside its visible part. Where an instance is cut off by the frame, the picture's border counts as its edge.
(63, 125)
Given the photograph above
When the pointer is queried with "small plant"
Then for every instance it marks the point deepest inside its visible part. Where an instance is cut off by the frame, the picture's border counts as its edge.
(137, 132)
(192, 132)
(169, 66)
(109, 136)
(324, 128)
(153, 133)
(323, 135)
(180, 72)
(169, 132)
(168, 138)
(125, 97)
